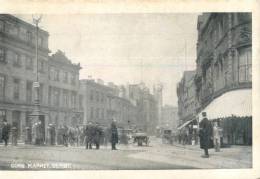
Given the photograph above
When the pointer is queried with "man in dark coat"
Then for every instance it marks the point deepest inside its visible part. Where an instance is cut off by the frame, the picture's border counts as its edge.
(97, 135)
(5, 132)
(205, 134)
(88, 135)
(114, 135)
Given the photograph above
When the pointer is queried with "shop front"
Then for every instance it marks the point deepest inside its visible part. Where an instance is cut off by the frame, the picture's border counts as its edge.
(233, 112)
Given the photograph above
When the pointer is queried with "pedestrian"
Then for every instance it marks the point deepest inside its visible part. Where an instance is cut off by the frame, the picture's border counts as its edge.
(216, 137)
(65, 135)
(5, 132)
(97, 135)
(205, 134)
(88, 135)
(78, 134)
(114, 135)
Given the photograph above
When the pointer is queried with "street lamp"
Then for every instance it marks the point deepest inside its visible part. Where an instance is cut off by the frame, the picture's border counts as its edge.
(36, 115)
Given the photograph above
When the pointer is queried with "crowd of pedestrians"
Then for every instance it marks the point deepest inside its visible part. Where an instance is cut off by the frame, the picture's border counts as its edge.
(90, 135)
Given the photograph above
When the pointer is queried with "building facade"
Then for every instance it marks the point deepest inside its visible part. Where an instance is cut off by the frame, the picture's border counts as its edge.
(146, 107)
(187, 99)
(103, 103)
(170, 118)
(224, 54)
(65, 103)
(18, 70)
(58, 78)
(224, 73)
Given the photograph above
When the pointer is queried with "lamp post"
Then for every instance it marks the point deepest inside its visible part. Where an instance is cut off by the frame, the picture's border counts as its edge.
(36, 114)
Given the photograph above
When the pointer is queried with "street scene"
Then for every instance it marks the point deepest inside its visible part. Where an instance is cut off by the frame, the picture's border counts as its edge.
(126, 91)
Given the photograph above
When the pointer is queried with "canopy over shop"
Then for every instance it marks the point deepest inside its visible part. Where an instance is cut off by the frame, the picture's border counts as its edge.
(233, 111)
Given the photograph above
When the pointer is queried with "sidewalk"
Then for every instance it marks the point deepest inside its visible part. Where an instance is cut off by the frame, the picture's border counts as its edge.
(190, 155)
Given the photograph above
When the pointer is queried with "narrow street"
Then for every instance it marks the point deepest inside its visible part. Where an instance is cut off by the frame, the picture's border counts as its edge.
(155, 156)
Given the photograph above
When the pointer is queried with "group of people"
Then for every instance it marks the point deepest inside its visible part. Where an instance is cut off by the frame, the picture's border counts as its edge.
(96, 135)
(209, 136)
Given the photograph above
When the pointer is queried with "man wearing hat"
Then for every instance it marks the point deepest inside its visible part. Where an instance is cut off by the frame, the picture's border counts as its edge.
(205, 134)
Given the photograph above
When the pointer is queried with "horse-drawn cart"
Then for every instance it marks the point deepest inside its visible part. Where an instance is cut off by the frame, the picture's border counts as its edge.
(141, 138)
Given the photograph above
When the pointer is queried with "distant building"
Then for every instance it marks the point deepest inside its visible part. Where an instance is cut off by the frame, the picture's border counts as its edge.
(146, 106)
(170, 118)
(102, 103)
(187, 99)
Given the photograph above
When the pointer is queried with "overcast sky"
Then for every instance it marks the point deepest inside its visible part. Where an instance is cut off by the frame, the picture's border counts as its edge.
(127, 47)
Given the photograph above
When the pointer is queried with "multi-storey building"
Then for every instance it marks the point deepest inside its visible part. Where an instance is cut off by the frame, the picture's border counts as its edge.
(224, 72)
(224, 60)
(146, 107)
(58, 78)
(97, 101)
(102, 104)
(170, 117)
(64, 101)
(18, 70)
(187, 99)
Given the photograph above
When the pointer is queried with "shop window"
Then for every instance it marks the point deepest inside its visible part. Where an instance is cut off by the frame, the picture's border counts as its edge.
(245, 65)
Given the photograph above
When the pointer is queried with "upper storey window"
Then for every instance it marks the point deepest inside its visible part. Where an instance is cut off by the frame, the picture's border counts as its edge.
(245, 65)
(11, 28)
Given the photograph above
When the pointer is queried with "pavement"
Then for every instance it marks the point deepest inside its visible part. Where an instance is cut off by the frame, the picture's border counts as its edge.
(128, 157)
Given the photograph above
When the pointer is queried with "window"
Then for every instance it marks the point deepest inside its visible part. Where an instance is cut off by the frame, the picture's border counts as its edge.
(51, 75)
(29, 63)
(2, 55)
(102, 113)
(2, 115)
(73, 99)
(16, 88)
(73, 79)
(97, 113)
(91, 95)
(56, 75)
(41, 92)
(40, 42)
(97, 96)
(2, 86)
(11, 29)
(81, 101)
(16, 59)
(29, 92)
(29, 37)
(2, 25)
(50, 95)
(41, 65)
(65, 77)
(65, 98)
(23, 34)
(56, 97)
(245, 65)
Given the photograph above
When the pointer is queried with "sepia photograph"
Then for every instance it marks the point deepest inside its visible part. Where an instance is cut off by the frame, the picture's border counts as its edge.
(126, 91)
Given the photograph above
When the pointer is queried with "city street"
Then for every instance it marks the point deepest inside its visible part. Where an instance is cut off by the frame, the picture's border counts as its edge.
(155, 156)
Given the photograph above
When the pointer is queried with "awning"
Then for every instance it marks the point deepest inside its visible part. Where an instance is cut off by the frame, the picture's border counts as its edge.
(237, 103)
(185, 124)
